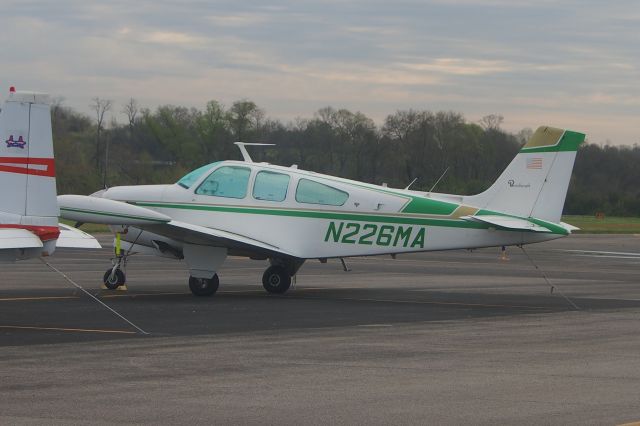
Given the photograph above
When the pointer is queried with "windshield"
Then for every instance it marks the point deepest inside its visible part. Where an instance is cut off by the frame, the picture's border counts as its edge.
(191, 177)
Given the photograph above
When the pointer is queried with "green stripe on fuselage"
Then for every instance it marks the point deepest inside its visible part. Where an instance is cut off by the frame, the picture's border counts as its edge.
(319, 214)
(421, 205)
(348, 216)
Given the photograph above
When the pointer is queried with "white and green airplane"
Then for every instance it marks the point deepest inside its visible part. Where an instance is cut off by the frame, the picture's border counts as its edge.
(288, 215)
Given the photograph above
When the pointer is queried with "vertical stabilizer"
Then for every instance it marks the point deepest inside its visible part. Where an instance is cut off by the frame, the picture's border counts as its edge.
(29, 206)
(27, 175)
(535, 183)
(27, 169)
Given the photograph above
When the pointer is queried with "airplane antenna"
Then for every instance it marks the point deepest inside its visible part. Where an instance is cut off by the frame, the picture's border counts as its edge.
(245, 155)
(439, 179)
(412, 182)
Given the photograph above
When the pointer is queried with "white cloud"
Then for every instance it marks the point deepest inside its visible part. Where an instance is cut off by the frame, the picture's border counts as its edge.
(238, 20)
(461, 66)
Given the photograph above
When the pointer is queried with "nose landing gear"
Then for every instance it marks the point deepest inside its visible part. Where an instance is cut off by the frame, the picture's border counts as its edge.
(113, 278)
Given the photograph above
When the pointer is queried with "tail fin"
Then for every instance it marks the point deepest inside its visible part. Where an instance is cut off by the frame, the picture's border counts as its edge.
(29, 206)
(27, 170)
(535, 183)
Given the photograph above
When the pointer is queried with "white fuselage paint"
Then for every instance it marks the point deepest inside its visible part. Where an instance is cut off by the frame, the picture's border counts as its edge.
(286, 224)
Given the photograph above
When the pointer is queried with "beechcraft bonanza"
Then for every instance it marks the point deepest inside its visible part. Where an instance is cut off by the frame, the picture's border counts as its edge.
(288, 215)
(28, 207)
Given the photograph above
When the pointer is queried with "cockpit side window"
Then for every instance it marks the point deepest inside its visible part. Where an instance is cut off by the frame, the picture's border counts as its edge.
(227, 181)
(311, 192)
(271, 186)
(190, 178)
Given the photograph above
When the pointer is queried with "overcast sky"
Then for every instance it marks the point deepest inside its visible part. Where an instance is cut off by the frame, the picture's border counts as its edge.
(572, 64)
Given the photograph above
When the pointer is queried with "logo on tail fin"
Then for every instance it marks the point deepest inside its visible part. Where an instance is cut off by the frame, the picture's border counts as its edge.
(20, 143)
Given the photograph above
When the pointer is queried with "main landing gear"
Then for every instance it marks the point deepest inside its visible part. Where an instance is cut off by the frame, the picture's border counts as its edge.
(276, 279)
(204, 286)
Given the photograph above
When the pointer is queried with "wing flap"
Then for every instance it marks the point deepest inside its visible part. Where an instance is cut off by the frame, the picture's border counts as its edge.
(508, 222)
(74, 238)
(15, 238)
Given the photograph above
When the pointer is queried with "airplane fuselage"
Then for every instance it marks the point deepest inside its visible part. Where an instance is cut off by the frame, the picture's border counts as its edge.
(318, 216)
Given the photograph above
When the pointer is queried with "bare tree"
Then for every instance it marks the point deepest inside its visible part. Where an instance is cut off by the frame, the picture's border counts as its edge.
(101, 107)
(491, 122)
(524, 135)
(131, 109)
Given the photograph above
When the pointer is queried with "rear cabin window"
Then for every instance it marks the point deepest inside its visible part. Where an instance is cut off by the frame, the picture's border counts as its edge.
(227, 181)
(310, 192)
(271, 186)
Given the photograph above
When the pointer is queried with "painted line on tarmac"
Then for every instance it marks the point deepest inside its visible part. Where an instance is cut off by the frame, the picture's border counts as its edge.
(603, 256)
(598, 252)
(76, 330)
(112, 296)
(423, 302)
(19, 299)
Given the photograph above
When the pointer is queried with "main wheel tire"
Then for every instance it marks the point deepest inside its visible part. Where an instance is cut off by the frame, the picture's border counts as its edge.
(276, 279)
(114, 281)
(204, 286)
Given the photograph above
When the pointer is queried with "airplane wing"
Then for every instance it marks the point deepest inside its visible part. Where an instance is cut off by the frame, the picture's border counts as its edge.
(102, 210)
(15, 238)
(196, 234)
(508, 222)
(74, 238)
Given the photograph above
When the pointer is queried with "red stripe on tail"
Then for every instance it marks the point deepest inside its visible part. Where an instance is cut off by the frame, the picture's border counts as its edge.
(8, 164)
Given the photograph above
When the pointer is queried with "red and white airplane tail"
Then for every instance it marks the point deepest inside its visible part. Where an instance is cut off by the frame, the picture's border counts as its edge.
(28, 205)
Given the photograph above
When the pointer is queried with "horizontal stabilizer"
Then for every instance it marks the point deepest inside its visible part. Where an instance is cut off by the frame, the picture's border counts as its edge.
(15, 238)
(74, 238)
(569, 227)
(81, 208)
(508, 222)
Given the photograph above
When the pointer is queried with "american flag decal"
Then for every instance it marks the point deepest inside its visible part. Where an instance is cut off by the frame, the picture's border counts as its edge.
(534, 163)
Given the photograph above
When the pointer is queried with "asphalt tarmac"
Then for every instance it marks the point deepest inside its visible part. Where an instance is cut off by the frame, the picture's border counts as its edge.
(434, 338)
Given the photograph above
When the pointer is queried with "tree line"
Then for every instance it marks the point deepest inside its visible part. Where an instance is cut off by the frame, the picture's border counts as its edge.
(161, 145)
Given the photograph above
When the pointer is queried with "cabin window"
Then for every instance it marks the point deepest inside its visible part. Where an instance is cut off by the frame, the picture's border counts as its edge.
(190, 178)
(270, 186)
(227, 181)
(311, 192)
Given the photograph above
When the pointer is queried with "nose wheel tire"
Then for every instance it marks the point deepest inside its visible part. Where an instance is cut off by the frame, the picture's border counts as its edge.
(204, 286)
(113, 280)
(276, 279)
